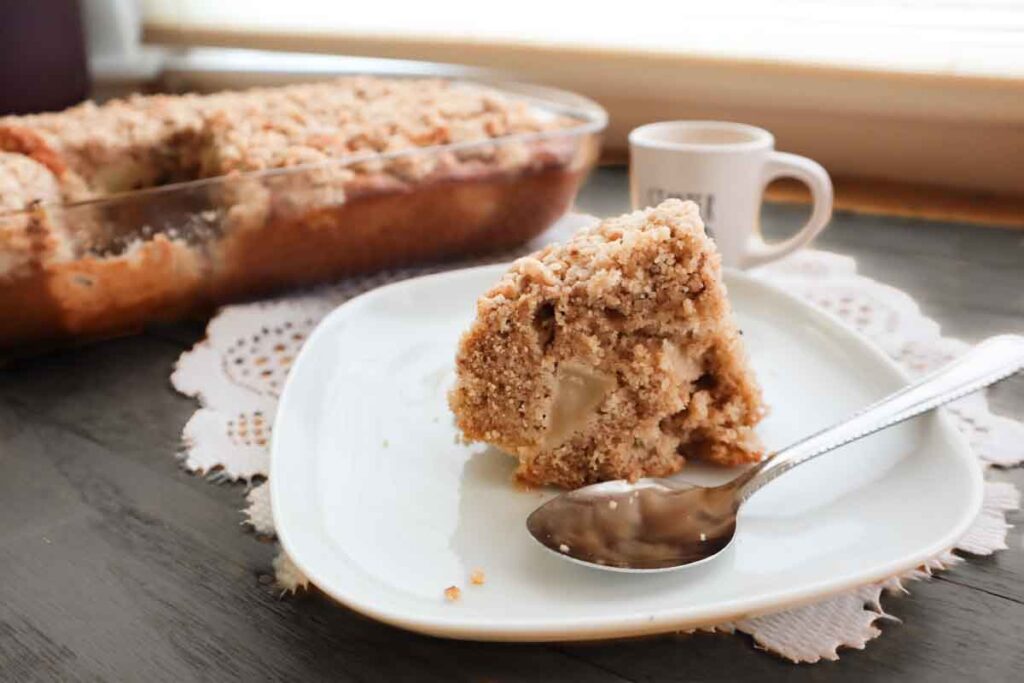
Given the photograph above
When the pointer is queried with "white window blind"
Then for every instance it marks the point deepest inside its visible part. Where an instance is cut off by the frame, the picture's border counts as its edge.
(949, 37)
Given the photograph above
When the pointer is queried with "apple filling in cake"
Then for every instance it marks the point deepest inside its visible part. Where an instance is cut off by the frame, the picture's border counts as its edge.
(611, 356)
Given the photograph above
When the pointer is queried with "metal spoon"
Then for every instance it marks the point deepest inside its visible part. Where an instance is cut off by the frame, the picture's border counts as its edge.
(658, 524)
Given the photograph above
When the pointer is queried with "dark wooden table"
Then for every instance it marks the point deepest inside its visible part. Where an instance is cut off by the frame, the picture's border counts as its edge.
(115, 564)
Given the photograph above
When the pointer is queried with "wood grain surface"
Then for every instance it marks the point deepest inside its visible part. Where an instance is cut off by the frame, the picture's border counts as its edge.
(115, 564)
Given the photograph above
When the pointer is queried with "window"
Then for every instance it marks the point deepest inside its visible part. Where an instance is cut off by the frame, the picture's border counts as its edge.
(925, 92)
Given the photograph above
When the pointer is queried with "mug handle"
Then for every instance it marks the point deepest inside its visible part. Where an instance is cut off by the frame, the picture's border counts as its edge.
(812, 174)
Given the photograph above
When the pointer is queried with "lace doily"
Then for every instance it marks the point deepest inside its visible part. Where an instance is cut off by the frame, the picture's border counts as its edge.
(237, 373)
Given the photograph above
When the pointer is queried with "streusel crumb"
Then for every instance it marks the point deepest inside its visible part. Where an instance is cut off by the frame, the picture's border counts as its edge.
(611, 356)
(150, 140)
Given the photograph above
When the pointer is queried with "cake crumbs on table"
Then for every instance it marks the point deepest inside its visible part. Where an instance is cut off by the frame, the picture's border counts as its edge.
(477, 578)
(563, 548)
(452, 593)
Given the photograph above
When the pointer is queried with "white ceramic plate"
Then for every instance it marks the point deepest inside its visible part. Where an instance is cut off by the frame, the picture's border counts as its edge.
(380, 507)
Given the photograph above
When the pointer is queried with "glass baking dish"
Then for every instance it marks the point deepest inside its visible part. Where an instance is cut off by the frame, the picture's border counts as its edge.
(181, 249)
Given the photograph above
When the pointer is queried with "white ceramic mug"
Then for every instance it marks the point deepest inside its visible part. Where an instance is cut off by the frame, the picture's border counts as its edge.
(724, 168)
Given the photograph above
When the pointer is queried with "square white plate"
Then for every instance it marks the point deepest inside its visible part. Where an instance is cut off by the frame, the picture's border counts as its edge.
(380, 507)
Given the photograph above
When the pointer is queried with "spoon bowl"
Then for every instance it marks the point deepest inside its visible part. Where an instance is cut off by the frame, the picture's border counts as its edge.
(652, 525)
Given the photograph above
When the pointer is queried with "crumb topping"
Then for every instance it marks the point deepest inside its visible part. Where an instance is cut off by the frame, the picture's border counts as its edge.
(24, 181)
(150, 140)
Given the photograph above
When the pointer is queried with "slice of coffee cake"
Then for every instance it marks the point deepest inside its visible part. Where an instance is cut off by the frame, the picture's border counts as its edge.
(611, 356)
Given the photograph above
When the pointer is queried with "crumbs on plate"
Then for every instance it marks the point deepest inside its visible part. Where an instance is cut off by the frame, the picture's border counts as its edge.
(453, 593)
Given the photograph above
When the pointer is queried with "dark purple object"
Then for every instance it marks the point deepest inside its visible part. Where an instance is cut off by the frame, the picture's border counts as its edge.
(43, 64)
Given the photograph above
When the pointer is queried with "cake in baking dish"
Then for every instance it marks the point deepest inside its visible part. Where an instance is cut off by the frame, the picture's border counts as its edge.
(613, 355)
(426, 169)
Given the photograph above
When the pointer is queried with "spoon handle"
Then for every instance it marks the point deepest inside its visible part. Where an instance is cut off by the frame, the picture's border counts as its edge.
(987, 363)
